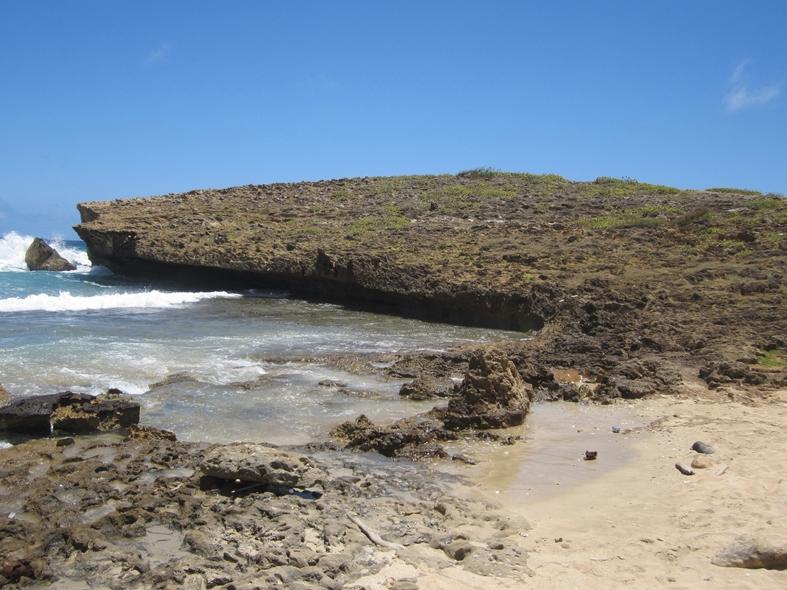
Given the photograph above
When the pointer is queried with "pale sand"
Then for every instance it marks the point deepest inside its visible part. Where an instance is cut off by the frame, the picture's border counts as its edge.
(642, 524)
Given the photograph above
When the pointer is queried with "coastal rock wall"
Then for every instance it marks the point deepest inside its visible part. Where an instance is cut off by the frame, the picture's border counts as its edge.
(614, 270)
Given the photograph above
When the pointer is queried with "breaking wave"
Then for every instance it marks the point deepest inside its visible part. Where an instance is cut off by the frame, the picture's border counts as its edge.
(65, 301)
(13, 247)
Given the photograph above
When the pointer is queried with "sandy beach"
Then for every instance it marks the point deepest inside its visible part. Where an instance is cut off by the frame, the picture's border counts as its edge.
(638, 522)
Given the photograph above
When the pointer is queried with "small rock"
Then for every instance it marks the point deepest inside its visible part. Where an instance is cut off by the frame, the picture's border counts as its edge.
(616, 429)
(591, 455)
(703, 448)
(64, 442)
(684, 469)
(702, 462)
(257, 463)
(42, 256)
(462, 458)
(458, 550)
(752, 553)
(137, 432)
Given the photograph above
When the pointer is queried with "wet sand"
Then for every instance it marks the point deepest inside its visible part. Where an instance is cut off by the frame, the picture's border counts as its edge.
(630, 519)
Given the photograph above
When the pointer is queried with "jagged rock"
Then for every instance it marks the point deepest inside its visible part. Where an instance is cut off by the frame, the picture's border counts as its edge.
(5, 397)
(492, 395)
(138, 432)
(42, 256)
(412, 437)
(422, 388)
(716, 374)
(752, 553)
(76, 413)
(257, 463)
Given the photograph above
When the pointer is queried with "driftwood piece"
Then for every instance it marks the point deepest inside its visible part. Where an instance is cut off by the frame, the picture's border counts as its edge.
(373, 536)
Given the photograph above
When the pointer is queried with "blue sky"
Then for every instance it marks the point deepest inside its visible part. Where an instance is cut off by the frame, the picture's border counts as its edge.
(105, 99)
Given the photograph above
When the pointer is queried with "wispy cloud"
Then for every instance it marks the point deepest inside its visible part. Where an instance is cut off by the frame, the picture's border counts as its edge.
(740, 93)
(158, 54)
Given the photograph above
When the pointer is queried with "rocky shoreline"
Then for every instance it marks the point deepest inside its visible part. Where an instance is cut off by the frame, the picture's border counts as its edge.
(630, 290)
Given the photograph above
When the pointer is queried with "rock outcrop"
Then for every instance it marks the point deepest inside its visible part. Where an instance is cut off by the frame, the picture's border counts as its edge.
(263, 464)
(42, 256)
(492, 395)
(75, 413)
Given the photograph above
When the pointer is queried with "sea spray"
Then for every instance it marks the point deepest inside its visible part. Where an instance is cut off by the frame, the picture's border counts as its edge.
(65, 301)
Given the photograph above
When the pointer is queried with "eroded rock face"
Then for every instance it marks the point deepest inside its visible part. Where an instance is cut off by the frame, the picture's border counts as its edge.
(262, 464)
(424, 387)
(42, 256)
(76, 413)
(753, 553)
(492, 395)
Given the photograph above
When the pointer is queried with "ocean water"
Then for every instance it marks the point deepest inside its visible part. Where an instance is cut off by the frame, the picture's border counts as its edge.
(210, 365)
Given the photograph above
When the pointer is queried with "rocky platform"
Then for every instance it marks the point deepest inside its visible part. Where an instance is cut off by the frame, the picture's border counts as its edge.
(627, 284)
(151, 512)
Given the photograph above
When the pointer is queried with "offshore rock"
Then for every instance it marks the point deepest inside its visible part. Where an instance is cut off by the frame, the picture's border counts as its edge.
(76, 413)
(42, 256)
(258, 463)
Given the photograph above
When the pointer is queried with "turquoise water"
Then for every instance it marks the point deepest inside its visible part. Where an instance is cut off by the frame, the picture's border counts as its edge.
(211, 365)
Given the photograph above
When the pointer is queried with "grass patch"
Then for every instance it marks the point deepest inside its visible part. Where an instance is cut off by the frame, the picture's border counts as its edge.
(647, 216)
(737, 191)
(483, 172)
(772, 359)
(392, 219)
(607, 186)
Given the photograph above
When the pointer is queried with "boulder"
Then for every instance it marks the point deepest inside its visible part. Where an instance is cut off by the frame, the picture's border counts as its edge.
(42, 256)
(752, 553)
(492, 395)
(5, 397)
(76, 413)
(258, 463)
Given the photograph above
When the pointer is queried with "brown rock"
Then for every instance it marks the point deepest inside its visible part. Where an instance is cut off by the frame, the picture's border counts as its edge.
(76, 413)
(42, 256)
(752, 553)
(492, 395)
(701, 462)
(5, 397)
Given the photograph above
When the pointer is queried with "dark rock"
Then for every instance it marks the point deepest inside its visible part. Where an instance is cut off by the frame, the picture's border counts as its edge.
(716, 374)
(684, 469)
(703, 448)
(403, 438)
(250, 462)
(42, 256)
(76, 413)
(492, 395)
(753, 553)
(422, 388)
(591, 455)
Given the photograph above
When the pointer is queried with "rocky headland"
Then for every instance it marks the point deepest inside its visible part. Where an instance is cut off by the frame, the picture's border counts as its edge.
(629, 291)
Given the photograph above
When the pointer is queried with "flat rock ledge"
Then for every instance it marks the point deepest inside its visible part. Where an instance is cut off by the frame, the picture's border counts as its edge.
(42, 256)
(74, 413)
(262, 464)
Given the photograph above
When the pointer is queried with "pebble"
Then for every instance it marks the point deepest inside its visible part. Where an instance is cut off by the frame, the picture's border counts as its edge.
(616, 429)
(703, 448)
(591, 455)
(685, 470)
(702, 462)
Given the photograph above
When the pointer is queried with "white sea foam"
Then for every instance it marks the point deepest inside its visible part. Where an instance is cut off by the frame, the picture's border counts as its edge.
(13, 247)
(65, 301)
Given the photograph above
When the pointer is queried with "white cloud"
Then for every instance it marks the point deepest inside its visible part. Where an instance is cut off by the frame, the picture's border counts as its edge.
(741, 95)
(158, 54)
